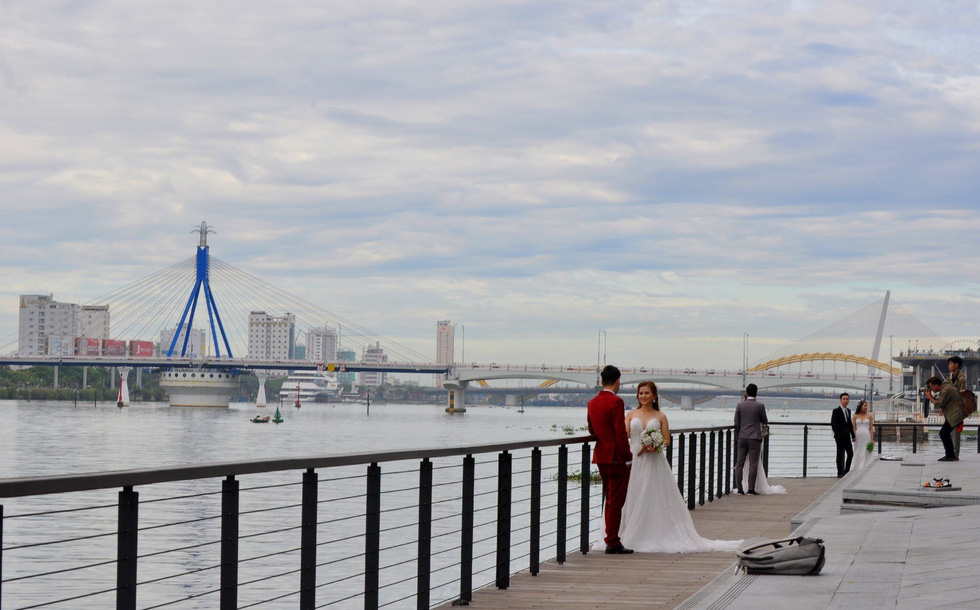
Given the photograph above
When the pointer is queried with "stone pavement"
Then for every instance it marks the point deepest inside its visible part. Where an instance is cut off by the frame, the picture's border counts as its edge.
(890, 544)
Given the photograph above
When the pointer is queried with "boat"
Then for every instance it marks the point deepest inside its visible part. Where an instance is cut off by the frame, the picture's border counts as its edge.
(258, 419)
(306, 386)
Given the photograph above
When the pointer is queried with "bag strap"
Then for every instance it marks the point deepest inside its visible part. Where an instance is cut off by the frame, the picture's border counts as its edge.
(796, 539)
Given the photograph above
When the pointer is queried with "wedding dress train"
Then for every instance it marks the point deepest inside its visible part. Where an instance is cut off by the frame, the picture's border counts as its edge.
(655, 518)
(762, 485)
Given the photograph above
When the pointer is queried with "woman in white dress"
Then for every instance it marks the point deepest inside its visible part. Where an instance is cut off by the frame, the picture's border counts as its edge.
(863, 423)
(655, 518)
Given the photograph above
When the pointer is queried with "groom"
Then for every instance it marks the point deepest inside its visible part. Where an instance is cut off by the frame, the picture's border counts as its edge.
(750, 414)
(607, 422)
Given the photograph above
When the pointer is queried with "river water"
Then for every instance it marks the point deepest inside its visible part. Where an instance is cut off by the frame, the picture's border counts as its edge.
(55, 438)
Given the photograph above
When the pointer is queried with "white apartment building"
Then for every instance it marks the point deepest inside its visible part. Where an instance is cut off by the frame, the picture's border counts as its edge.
(445, 344)
(197, 345)
(271, 337)
(321, 344)
(94, 321)
(47, 327)
(372, 355)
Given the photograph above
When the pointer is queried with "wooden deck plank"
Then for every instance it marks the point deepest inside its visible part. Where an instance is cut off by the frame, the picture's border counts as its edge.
(654, 580)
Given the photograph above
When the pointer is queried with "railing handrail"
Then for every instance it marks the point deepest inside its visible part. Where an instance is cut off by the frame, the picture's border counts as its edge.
(33, 486)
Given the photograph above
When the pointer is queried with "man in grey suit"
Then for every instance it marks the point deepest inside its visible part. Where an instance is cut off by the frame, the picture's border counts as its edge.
(750, 414)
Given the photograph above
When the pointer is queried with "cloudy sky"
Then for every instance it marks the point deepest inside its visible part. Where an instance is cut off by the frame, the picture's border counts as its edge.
(674, 173)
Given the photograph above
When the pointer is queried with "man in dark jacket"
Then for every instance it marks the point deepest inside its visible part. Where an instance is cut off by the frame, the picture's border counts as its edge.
(840, 423)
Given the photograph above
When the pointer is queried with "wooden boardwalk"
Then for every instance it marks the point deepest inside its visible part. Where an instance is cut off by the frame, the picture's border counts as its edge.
(655, 580)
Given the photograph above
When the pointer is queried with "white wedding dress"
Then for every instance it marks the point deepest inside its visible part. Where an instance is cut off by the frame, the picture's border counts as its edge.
(762, 485)
(655, 518)
(862, 432)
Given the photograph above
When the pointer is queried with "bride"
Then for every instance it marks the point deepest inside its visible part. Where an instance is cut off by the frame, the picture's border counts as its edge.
(655, 518)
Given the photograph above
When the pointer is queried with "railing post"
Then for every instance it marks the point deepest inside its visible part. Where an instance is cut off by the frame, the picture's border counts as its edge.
(372, 537)
(680, 464)
(425, 534)
(466, 536)
(503, 520)
(229, 543)
(701, 486)
(1, 553)
(126, 549)
(878, 439)
(765, 454)
(307, 575)
(692, 471)
(586, 492)
(915, 438)
(535, 542)
(728, 462)
(562, 502)
(721, 449)
(711, 468)
(806, 445)
(670, 454)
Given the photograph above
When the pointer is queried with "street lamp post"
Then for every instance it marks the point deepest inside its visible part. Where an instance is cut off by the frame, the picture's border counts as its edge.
(745, 358)
(891, 374)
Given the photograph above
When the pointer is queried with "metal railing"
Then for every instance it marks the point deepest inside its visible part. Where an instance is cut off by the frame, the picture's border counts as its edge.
(373, 530)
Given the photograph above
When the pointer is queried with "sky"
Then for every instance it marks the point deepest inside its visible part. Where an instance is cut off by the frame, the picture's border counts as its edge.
(676, 174)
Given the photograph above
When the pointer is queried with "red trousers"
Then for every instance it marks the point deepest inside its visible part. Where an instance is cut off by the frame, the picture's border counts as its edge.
(615, 479)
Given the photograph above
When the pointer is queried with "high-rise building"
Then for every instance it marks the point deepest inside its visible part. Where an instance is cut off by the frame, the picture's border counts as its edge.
(373, 355)
(346, 378)
(94, 321)
(321, 344)
(445, 344)
(47, 327)
(271, 337)
(197, 345)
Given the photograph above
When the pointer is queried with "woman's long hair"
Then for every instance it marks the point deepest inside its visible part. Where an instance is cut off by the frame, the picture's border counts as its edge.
(863, 403)
(653, 388)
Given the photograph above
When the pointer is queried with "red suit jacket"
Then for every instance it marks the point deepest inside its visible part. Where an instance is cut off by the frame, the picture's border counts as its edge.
(607, 421)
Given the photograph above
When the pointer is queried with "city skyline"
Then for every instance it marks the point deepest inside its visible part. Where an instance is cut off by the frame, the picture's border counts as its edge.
(677, 175)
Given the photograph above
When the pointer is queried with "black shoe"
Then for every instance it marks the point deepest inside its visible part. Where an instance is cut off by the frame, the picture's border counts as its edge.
(752, 492)
(946, 459)
(618, 550)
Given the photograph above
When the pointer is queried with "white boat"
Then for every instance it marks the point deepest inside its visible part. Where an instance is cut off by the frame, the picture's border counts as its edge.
(308, 385)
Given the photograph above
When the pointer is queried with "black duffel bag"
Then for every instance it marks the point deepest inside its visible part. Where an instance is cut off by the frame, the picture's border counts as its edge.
(798, 556)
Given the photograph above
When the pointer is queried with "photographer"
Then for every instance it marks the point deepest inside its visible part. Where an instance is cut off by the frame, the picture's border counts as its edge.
(947, 400)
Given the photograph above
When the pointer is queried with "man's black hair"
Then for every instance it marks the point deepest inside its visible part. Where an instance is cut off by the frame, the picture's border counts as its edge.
(751, 390)
(843, 394)
(934, 380)
(956, 359)
(609, 375)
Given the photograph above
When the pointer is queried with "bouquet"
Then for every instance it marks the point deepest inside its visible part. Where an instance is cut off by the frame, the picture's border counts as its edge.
(870, 447)
(651, 440)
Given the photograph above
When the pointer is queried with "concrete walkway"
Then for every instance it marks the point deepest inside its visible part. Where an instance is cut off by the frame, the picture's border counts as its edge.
(890, 544)
(656, 580)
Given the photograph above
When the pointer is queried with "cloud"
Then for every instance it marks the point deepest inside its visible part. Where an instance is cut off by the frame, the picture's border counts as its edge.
(675, 173)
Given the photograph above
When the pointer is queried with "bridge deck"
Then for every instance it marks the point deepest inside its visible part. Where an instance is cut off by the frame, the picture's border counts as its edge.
(655, 580)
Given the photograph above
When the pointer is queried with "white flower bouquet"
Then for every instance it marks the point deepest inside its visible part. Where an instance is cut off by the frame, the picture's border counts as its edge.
(651, 440)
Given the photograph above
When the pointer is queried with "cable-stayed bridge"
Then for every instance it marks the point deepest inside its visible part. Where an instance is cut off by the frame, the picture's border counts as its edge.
(846, 354)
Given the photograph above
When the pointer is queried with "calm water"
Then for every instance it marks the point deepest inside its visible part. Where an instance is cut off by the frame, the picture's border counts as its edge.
(53, 438)
(50, 438)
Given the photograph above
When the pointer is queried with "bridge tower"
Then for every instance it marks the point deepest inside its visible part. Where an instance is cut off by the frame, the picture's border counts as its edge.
(200, 387)
(203, 282)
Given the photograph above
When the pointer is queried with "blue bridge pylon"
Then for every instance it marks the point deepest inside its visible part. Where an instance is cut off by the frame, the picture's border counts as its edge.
(214, 318)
